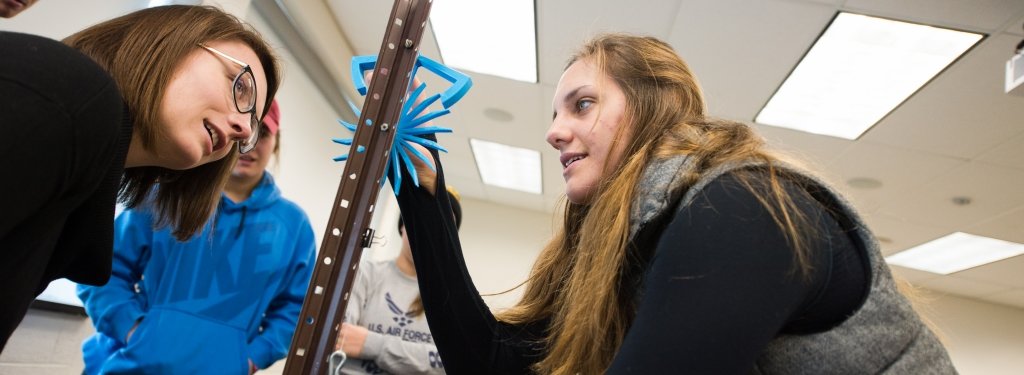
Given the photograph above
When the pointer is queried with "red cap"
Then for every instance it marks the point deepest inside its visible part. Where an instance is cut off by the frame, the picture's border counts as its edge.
(273, 118)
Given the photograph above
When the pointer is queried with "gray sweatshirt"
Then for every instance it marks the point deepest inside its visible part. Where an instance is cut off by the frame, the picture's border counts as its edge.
(397, 343)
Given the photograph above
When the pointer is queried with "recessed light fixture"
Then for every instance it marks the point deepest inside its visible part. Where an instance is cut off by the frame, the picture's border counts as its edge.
(859, 70)
(500, 115)
(508, 46)
(507, 166)
(865, 183)
(955, 252)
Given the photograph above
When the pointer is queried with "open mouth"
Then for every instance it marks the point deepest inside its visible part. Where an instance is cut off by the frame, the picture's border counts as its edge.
(569, 159)
(215, 137)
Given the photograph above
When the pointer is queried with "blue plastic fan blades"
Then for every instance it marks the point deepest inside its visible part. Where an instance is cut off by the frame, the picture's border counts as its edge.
(410, 129)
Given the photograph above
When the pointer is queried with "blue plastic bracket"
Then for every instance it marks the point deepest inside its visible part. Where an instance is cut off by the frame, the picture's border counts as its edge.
(461, 83)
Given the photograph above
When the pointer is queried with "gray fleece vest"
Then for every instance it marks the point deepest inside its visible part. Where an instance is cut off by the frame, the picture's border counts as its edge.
(884, 336)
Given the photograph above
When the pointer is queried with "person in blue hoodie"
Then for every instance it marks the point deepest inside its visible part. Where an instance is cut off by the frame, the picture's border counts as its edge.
(224, 302)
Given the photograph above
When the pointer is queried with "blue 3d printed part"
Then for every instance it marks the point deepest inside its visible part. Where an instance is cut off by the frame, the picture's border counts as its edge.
(409, 130)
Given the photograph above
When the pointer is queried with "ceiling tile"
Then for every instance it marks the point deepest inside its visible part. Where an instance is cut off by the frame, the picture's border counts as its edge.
(1007, 272)
(469, 121)
(993, 191)
(815, 150)
(974, 15)
(741, 51)
(563, 25)
(895, 234)
(466, 182)
(460, 167)
(961, 287)
(1014, 28)
(362, 22)
(1009, 154)
(1009, 227)
(915, 277)
(515, 198)
(963, 112)
(1013, 297)
(507, 95)
(898, 170)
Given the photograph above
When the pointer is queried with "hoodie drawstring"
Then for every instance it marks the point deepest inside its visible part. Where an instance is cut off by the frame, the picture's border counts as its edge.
(241, 223)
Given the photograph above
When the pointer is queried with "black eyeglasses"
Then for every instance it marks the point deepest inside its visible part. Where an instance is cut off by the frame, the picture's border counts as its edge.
(243, 88)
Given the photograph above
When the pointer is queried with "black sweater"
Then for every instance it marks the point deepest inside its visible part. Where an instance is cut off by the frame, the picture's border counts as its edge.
(63, 148)
(718, 287)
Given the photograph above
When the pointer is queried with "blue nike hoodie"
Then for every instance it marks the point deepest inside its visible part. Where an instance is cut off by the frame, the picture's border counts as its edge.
(208, 305)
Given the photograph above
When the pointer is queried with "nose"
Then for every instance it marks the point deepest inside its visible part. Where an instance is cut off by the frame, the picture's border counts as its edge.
(558, 134)
(241, 126)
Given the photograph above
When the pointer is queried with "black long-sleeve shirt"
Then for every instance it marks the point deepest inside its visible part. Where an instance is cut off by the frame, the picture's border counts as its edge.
(719, 286)
(63, 142)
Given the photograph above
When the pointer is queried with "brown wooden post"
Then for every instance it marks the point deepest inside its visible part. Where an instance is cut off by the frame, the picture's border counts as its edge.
(348, 230)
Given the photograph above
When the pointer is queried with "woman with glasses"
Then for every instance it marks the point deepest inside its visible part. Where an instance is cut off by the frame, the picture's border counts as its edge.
(224, 302)
(166, 94)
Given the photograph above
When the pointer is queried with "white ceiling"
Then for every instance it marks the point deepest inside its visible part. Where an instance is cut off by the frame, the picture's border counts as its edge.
(959, 136)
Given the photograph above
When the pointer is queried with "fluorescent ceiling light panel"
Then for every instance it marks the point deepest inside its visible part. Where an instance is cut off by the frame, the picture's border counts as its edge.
(858, 71)
(955, 252)
(507, 166)
(490, 37)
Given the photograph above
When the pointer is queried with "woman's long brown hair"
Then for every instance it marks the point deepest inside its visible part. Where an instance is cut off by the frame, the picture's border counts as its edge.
(141, 51)
(583, 279)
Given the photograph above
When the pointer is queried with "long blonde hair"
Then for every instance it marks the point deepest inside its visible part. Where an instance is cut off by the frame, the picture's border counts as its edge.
(585, 279)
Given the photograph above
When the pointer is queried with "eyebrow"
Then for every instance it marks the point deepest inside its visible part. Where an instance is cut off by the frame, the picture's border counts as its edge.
(568, 98)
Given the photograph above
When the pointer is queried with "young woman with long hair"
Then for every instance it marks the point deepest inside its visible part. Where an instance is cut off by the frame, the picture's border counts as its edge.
(686, 246)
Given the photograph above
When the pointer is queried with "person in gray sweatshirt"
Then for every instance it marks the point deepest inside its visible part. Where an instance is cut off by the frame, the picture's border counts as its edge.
(386, 331)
